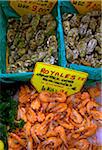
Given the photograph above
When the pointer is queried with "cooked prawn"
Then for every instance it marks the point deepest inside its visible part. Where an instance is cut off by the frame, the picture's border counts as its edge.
(27, 128)
(89, 131)
(83, 111)
(59, 97)
(30, 143)
(85, 95)
(76, 117)
(54, 140)
(21, 114)
(97, 115)
(59, 108)
(66, 125)
(20, 141)
(45, 96)
(40, 116)
(44, 106)
(36, 139)
(61, 131)
(78, 95)
(35, 105)
(91, 105)
(83, 103)
(24, 95)
(39, 129)
(13, 144)
(69, 110)
(82, 144)
(51, 105)
(31, 115)
(94, 91)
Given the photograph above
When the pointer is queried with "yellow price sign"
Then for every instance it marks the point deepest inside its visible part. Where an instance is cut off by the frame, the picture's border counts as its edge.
(84, 6)
(23, 7)
(54, 78)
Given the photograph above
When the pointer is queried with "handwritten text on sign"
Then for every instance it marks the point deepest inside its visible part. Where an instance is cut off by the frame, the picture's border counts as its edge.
(54, 78)
(23, 7)
(84, 6)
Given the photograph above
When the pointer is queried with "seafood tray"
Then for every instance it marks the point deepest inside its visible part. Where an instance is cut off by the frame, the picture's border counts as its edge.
(30, 38)
(57, 122)
(82, 38)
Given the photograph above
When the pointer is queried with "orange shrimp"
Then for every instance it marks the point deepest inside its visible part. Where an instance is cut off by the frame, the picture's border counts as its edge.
(40, 117)
(55, 140)
(65, 125)
(97, 115)
(91, 105)
(89, 131)
(83, 103)
(82, 144)
(59, 97)
(76, 135)
(76, 117)
(77, 101)
(61, 107)
(44, 106)
(31, 116)
(49, 118)
(69, 110)
(13, 144)
(61, 131)
(85, 95)
(24, 95)
(20, 141)
(36, 139)
(78, 125)
(21, 114)
(78, 95)
(39, 129)
(94, 91)
(27, 128)
(51, 133)
(35, 105)
(51, 105)
(44, 96)
(33, 96)
(83, 111)
(30, 143)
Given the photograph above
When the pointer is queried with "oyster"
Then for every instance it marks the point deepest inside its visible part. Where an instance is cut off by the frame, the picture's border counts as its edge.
(66, 26)
(83, 38)
(31, 39)
(39, 38)
(91, 46)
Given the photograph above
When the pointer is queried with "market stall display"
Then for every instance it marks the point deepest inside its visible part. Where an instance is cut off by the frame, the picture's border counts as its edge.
(53, 111)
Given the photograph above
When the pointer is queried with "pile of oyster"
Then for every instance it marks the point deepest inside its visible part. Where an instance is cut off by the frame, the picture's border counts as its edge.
(31, 39)
(83, 39)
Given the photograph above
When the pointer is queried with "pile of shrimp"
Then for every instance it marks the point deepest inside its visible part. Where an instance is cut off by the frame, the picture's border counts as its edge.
(55, 121)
